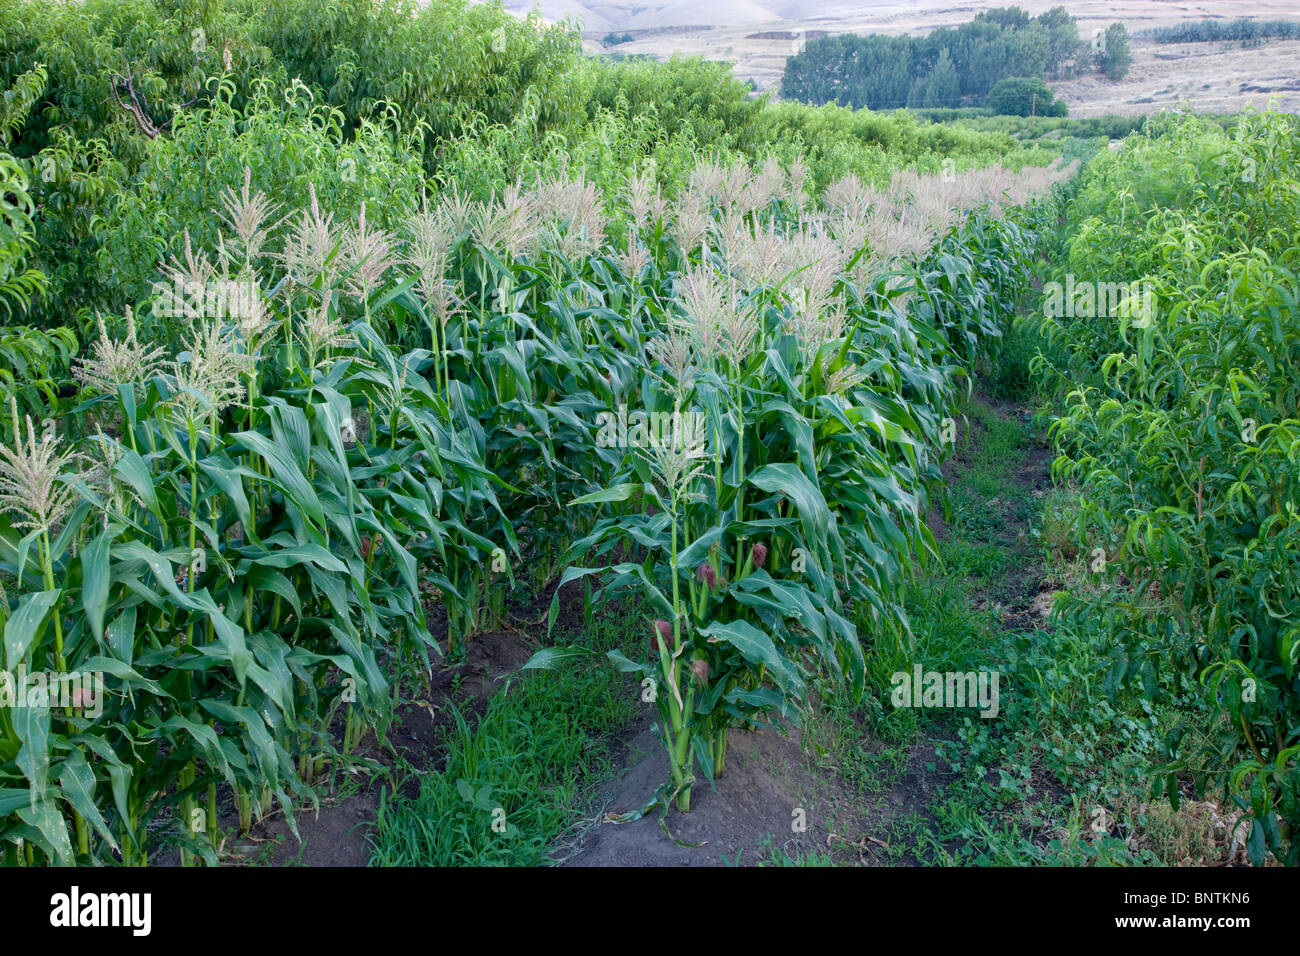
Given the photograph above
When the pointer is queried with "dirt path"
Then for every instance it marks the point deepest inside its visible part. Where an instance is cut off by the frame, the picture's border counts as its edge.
(773, 805)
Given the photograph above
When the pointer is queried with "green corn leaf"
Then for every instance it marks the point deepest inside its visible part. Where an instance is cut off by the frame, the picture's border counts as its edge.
(25, 623)
(548, 658)
(49, 823)
(133, 470)
(287, 475)
(32, 727)
(78, 782)
(95, 579)
(757, 648)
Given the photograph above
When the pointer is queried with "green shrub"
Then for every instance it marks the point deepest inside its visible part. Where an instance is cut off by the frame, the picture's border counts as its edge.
(1179, 421)
(1020, 96)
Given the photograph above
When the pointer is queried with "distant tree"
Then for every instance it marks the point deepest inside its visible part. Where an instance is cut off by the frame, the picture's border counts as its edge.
(1113, 58)
(939, 88)
(873, 71)
(614, 39)
(1008, 18)
(886, 72)
(1064, 43)
(1024, 96)
(1029, 52)
(1203, 31)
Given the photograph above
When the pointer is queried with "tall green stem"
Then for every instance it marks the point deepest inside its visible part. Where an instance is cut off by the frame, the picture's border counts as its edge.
(47, 566)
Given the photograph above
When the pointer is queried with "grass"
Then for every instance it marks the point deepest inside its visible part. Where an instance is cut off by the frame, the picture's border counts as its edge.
(515, 780)
(771, 855)
(1031, 782)
(1008, 377)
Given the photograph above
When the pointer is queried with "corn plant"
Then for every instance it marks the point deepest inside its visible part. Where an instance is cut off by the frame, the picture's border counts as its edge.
(803, 376)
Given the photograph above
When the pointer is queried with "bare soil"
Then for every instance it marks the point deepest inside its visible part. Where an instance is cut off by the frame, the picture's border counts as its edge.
(771, 798)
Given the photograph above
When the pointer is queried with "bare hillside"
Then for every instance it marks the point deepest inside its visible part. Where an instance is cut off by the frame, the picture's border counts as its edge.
(758, 36)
